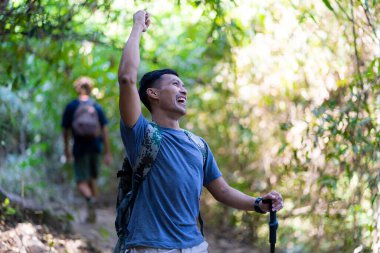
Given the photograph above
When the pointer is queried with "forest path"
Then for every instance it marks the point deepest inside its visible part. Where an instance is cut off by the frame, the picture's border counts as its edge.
(102, 236)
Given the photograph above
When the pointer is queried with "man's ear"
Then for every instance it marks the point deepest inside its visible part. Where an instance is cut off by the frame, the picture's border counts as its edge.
(153, 93)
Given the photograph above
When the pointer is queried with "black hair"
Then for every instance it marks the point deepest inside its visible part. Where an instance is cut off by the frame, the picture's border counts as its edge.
(149, 81)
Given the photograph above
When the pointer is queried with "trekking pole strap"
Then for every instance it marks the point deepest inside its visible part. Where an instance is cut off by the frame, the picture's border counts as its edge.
(200, 220)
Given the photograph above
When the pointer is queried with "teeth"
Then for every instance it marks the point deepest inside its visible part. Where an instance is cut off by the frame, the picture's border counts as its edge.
(181, 100)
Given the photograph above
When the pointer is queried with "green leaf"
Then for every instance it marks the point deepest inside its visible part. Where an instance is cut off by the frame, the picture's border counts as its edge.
(104, 232)
(286, 126)
(373, 198)
(69, 217)
(328, 5)
(10, 211)
(6, 202)
(282, 149)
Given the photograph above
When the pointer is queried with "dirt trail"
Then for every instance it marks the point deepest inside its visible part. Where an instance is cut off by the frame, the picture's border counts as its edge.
(102, 234)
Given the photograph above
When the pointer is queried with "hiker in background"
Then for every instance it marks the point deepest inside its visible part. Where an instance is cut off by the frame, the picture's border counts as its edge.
(166, 207)
(85, 121)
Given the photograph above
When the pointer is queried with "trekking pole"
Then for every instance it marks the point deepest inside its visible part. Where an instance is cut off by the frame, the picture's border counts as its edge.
(273, 225)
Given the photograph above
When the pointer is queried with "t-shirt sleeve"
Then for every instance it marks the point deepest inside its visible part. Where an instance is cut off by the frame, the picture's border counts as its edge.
(67, 117)
(133, 137)
(102, 116)
(211, 169)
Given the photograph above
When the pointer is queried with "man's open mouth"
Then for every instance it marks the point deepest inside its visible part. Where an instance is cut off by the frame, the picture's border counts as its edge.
(181, 100)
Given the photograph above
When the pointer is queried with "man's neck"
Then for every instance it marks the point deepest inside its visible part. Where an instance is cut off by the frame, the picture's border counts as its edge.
(164, 120)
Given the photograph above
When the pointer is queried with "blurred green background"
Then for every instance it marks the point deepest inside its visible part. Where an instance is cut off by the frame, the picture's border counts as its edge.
(285, 92)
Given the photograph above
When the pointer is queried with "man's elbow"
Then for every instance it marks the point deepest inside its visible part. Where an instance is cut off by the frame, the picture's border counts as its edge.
(221, 194)
(127, 80)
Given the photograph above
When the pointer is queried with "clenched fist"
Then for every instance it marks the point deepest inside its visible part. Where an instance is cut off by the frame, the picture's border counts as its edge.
(142, 18)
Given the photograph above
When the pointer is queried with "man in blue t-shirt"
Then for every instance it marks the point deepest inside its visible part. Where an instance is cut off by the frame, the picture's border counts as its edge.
(86, 149)
(164, 217)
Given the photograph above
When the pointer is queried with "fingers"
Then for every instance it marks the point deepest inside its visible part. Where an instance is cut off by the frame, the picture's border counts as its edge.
(140, 17)
(277, 201)
(278, 205)
(147, 19)
(139, 14)
(142, 14)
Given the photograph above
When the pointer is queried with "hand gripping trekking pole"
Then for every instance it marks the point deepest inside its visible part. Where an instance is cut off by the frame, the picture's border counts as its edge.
(273, 225)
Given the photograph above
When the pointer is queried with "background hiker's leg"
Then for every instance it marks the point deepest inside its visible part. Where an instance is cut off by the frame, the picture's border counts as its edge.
(93, 188)
(85, 189)
(93, 172)
(82, 174)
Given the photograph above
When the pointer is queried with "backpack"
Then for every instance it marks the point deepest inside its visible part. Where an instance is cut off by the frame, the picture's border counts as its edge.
(86, 120)
(131, 178)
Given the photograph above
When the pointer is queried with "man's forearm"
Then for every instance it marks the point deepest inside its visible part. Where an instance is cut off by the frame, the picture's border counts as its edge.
(130, 59)
(230, 196)
(237, 199)
(129, 102)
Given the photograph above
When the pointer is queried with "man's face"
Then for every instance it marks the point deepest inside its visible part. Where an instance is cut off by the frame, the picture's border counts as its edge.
(172, 94)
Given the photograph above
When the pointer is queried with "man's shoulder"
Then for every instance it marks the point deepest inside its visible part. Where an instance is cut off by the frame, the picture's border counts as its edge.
(72, 104)
(140, 125)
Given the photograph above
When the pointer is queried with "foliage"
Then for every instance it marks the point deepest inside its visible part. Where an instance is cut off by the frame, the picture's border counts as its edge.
(6, 209)
(285, 92)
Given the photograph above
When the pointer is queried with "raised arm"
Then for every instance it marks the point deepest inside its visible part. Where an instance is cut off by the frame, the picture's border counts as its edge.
(129, 102)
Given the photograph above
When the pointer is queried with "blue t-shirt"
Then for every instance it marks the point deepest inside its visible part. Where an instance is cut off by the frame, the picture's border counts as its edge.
(82, 145)
(167, 205)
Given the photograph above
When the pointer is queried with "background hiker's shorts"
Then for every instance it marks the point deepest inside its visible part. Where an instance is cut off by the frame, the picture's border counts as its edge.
(201, 248)
(86, 167)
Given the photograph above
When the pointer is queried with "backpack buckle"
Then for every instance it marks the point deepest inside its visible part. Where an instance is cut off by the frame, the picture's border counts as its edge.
(137, 178)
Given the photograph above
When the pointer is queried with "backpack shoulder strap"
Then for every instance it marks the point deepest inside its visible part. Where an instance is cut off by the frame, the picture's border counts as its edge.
(149, 150)
(133, 176)
(199, 142)
(84, 104)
